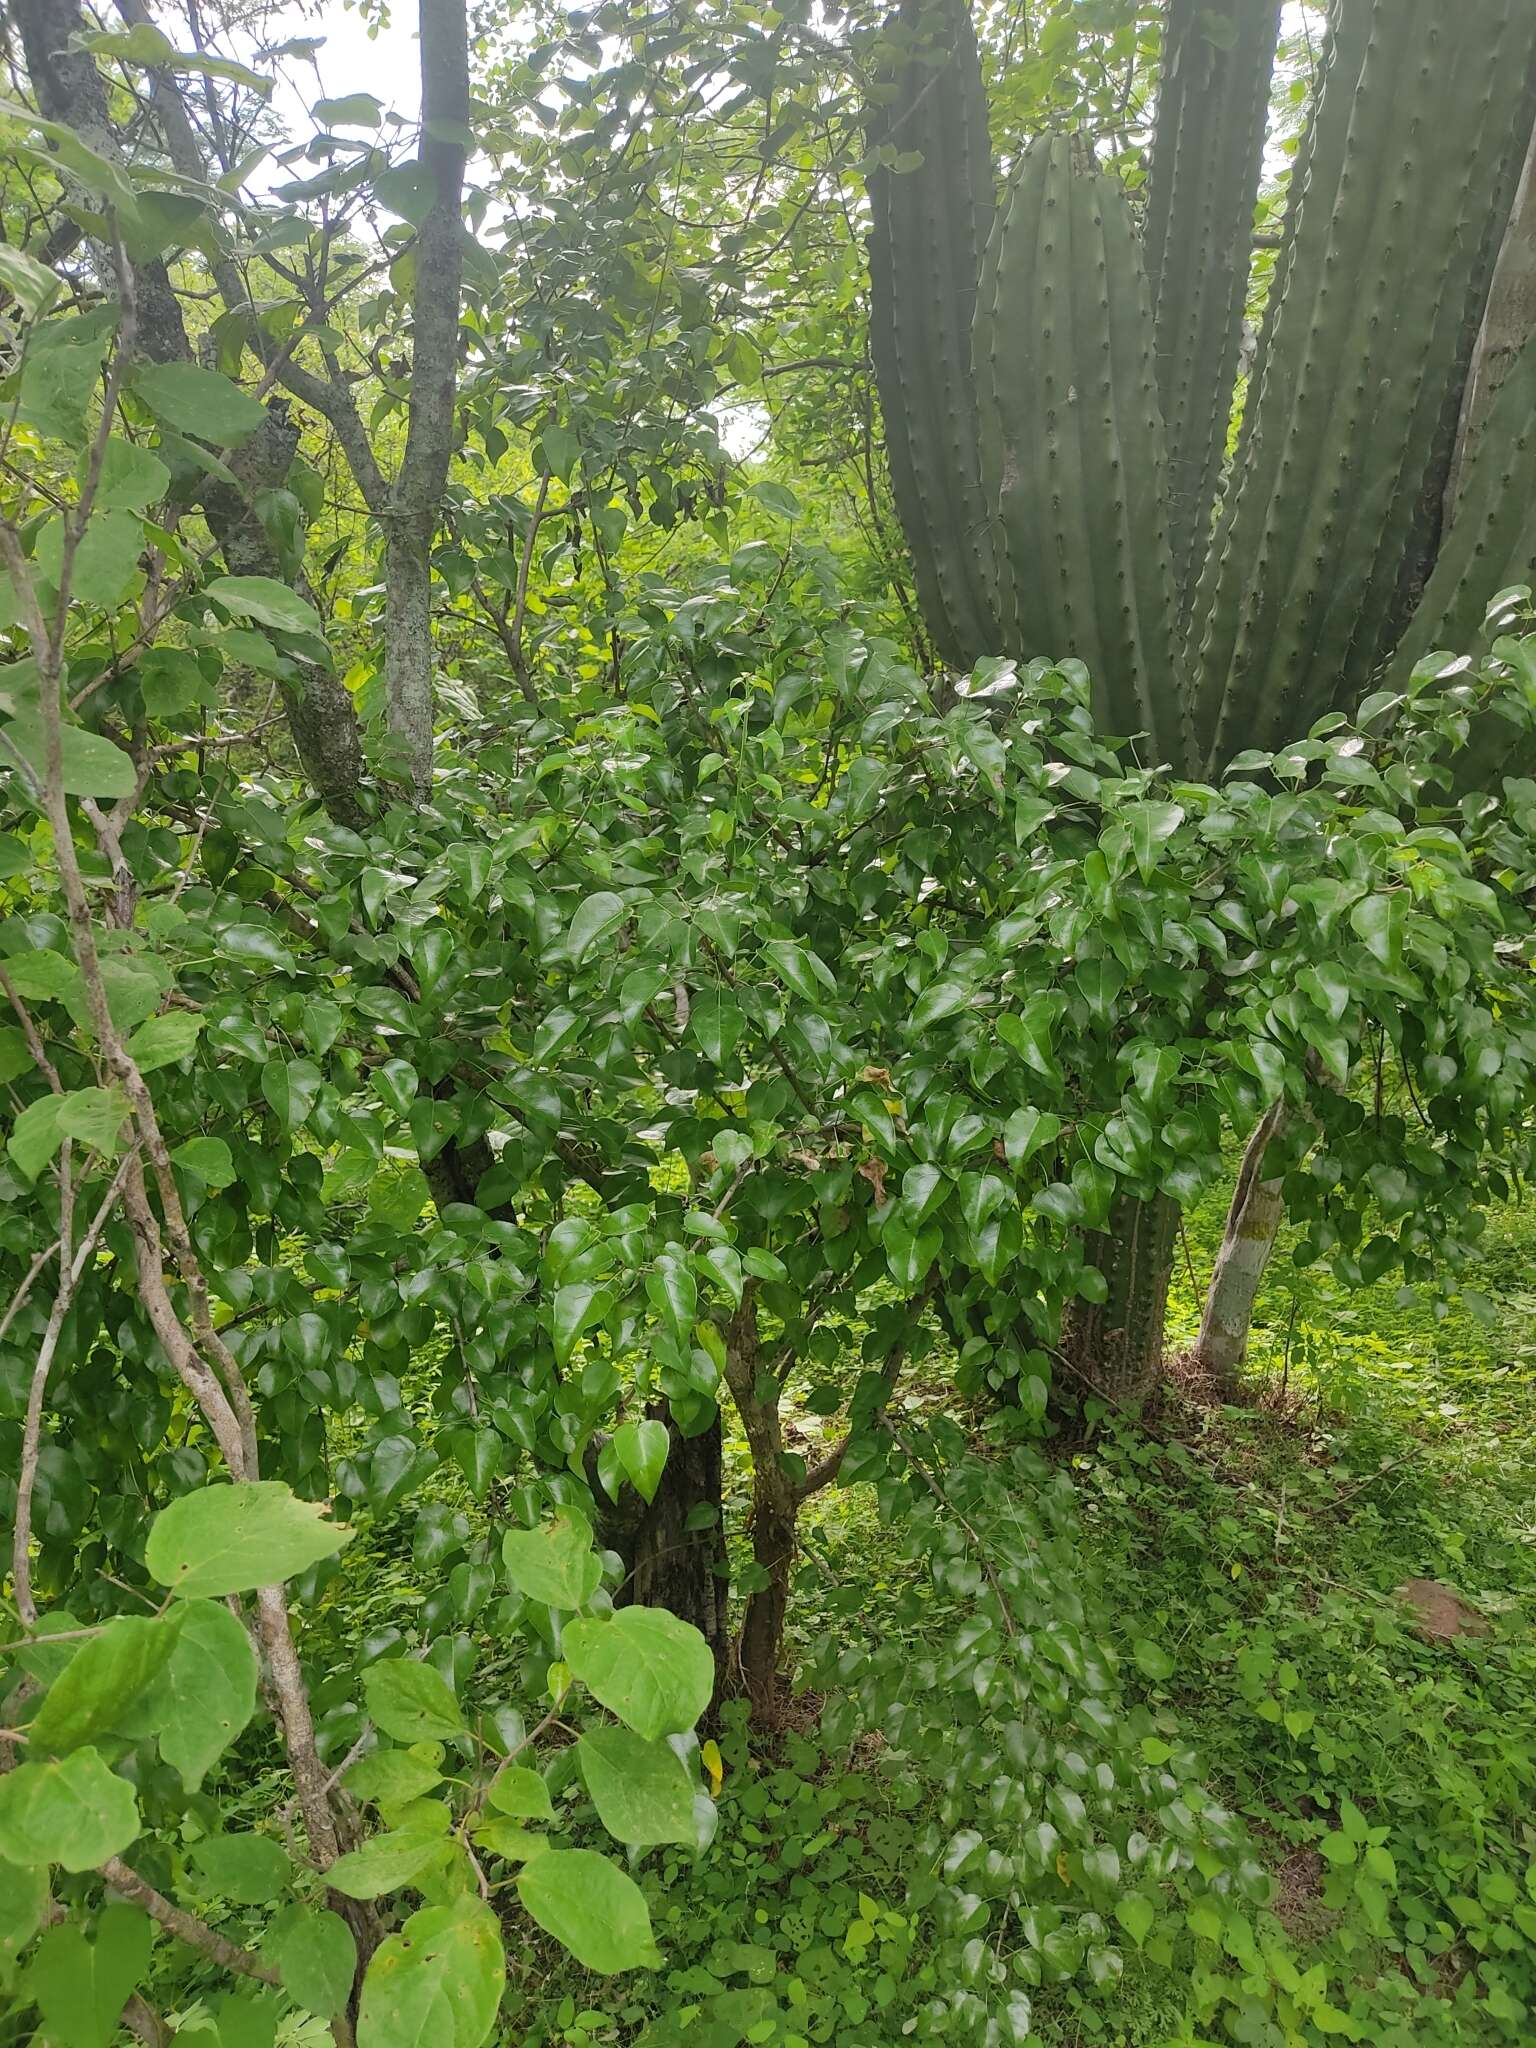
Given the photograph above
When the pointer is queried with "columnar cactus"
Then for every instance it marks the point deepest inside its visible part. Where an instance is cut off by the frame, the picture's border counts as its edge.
(928, 234)
(1058, 435)
(1073, 453)
(1084, 417)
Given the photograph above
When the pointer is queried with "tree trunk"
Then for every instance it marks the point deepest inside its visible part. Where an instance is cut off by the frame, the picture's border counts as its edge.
(408, 644)
(760, 1648)
(1114, 1348)
(321, 714)
(673, 1566)
(1253, 1223)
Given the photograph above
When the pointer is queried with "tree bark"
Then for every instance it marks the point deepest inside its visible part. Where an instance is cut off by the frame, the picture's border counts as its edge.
(760, 1646)
(1114, 1348)
(1253, 1224)
(673, 1566)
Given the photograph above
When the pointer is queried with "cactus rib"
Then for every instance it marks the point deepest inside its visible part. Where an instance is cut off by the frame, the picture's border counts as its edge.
(1072, 440)
(928, 229)
(1364, 338)
(1202, 187)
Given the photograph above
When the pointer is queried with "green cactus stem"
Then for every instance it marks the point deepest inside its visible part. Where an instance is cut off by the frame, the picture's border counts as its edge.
(929, 225)
(1073, 445)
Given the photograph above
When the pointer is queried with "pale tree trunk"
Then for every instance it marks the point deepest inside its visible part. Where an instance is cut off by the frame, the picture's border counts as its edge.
(1114, 1348)
(415, 501)
(1253, 1223)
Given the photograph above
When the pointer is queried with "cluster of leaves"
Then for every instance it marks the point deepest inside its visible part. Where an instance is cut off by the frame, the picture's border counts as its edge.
(123, 1722)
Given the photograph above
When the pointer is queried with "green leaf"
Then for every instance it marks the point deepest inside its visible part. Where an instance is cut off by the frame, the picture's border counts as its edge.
(799, 968)
(232, 1539)
(437, 1983)
(591, 1908)
(292, 1088)
(655, 1672)
(23, 1903)
(1378, 920)
(200, 402)
(80, 1987)
(554, 1563)
(574, 1309)
(1029, 1131)
(642, 1449)
(560, 450)
(642, 1793)
(163, 1040)
(778, 499)
(131, 478)
(939, 1000)
(355, 110)
(1136, 1913)
(105, 562)
(255, 945)
(384, 1863)
(91, 1116)
(411, 1701)
(1153, 1659)
(91, 765)
(249, 1869)
(390, 1777)
(207, 1692)
(75, 1813)
(100, 1689)
(1151, 826)
(265, 600)
(521, 1794)
(209, 1158)
(31, 284)
(595, 918)
(35, 1136)
(317, 1955)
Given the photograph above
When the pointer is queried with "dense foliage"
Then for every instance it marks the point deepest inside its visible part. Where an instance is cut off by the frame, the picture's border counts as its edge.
(555, 1058)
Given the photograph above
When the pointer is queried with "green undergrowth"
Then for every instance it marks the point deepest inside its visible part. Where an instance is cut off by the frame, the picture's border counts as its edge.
(1388, 1781)
(1248, 1560)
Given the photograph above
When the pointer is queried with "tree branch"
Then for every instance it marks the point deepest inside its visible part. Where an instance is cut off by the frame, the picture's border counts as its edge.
(186, 1926)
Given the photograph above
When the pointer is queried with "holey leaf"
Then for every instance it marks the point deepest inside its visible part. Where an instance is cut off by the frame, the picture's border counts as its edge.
(437, 1983)
(232, 1539)
(554, 1563)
